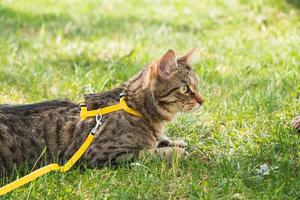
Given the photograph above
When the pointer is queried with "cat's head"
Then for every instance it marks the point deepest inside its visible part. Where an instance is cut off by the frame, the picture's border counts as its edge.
(173, 83)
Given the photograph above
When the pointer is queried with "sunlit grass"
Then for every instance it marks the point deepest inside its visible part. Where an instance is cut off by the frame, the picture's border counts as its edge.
(250, 77)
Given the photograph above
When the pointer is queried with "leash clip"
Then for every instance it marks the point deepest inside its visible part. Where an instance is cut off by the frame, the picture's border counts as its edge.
(98, 124)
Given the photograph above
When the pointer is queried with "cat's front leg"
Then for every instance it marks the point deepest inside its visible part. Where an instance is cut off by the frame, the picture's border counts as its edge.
(167, 153)
(164, 141)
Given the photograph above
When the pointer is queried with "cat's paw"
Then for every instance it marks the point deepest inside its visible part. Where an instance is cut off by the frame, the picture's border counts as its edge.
(166, 153)
(170, 153)
(296, 123)
(179, 143)
(172, 143)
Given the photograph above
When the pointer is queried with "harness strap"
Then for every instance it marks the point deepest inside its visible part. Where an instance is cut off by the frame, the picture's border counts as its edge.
(122, 105)
(84, 114)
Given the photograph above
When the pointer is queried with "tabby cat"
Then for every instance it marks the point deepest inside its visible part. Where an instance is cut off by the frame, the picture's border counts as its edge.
(41, 133)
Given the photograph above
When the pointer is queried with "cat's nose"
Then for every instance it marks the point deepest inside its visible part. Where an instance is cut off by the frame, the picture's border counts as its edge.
(199, 98)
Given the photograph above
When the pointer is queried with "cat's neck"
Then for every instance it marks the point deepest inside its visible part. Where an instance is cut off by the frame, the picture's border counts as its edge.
(141, 99)
(100, 100)
(136, 96)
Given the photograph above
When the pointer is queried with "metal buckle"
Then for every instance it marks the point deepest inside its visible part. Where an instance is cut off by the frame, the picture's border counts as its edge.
(98, 124)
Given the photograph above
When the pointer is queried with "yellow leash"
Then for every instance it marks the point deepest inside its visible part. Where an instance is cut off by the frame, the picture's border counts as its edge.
(84, 114)
(44, 170)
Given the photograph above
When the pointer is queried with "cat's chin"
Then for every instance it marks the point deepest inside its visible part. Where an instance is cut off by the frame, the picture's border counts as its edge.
(191, 109)
(173, 116)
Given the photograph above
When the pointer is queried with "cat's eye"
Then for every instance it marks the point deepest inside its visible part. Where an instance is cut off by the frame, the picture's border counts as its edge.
(184, 89)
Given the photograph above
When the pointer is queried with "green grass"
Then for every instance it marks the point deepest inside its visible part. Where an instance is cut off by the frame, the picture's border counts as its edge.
(250, 72)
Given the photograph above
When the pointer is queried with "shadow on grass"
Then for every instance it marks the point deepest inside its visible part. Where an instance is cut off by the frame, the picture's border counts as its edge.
(295, 3)
(18, 22)
(15, 23)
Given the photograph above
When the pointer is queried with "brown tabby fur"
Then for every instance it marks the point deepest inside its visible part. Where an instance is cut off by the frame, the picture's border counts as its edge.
(41, 133)
(296, 123)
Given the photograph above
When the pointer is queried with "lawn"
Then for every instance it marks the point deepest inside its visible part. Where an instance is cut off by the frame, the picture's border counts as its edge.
(241, 143)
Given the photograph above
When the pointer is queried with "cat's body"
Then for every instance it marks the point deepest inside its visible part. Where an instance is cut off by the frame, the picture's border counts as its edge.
(52, 131)
(25, 131)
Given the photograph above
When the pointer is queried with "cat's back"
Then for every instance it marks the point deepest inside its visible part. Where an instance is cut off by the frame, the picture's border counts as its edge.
(27, 109)
(21, 119)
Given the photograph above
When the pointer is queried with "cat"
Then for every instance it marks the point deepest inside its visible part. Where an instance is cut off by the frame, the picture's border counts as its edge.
(41, 133)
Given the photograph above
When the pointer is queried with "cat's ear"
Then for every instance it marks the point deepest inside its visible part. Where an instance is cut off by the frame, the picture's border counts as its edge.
(189, 57)
(161, 68)
(166, 64)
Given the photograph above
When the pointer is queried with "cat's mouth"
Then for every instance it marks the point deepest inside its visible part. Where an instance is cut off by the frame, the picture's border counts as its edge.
(191, 107)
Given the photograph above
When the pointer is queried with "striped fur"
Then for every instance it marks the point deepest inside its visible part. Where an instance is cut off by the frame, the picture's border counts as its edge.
(40, 133)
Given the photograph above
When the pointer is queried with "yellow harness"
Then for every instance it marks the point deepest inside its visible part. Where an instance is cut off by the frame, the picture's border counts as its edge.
(84, 114)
